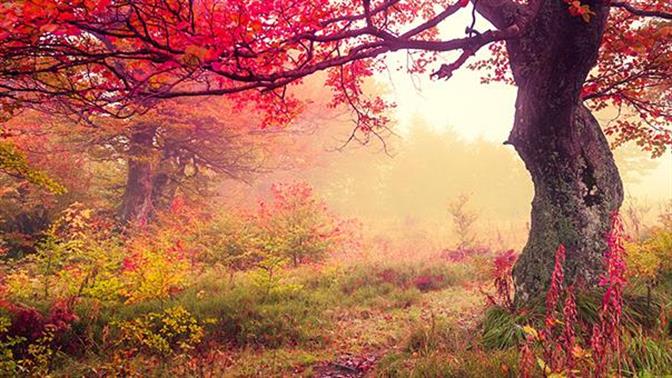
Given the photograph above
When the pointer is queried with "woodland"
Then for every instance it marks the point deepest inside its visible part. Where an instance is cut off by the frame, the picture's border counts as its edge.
(228, 188)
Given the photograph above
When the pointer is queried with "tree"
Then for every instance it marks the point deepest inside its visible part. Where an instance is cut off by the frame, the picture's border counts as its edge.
(296, 225)
(173, 148)
(121, 56)
(170, 148)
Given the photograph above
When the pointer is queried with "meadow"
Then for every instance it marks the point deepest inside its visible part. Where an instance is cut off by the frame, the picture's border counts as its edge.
(290, 289)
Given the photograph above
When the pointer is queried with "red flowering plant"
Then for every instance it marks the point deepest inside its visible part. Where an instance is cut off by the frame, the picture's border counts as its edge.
(563, 351)
(606, 335)
(503, 283)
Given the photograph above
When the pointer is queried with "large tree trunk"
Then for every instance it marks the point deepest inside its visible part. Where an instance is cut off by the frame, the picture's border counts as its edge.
(576, 182)
(137, 204)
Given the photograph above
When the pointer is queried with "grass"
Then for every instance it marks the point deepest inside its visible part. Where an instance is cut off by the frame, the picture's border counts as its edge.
(313, 315)
(417, 319)
(649, 356)
(503, 329)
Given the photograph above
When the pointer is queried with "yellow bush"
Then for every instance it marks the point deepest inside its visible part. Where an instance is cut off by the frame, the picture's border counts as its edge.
(648, 258)
(75, 259)
(174, 330)
(152, 272)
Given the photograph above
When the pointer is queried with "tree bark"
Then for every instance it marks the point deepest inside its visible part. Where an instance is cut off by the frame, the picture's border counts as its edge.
(577, 185)
(165, 182)
(137, 204)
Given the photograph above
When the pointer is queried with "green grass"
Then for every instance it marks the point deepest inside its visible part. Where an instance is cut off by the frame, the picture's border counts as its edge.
(309, 316)
(312, 316)
(649, 356)
(466, 363)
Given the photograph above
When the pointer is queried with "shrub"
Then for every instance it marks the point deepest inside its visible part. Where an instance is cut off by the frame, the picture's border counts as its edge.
(293, 226)
(165, 333)
(28, 338)
(428, 282)
(230, 240)
(502, 280)
(8, 364)
(151, 273)
(296, 225)
(75, 259)
(650, 259)
(159, 257)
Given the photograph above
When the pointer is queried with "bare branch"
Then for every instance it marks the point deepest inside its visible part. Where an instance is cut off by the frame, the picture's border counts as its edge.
(641, 12)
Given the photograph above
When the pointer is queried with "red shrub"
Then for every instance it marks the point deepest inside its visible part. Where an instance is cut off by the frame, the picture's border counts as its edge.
(31, 324)
(428, 282)
(503, 265)
(27, 322)
(61, 316)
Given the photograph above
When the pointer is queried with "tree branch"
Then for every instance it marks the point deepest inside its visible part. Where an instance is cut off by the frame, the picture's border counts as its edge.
(641, 12)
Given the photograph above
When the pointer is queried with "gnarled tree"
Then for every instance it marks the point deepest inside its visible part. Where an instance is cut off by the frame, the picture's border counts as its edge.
(121, 56)
(174, 148)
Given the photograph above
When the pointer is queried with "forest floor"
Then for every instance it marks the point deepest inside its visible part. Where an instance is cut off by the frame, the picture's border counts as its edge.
(334, 320)
(394, 316)
(361, 337)
(367, 337)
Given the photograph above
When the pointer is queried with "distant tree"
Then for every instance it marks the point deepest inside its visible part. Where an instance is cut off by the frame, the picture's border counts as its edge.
(177, 146)
(463, 221)
(182, 145)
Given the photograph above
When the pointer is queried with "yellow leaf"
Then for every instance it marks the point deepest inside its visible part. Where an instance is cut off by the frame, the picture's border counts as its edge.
(530, 331)
(544, 367)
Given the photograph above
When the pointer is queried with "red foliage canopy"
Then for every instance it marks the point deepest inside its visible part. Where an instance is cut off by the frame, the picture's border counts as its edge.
(121, 56)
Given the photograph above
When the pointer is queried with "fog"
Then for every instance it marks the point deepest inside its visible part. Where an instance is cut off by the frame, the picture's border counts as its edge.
(447, 142)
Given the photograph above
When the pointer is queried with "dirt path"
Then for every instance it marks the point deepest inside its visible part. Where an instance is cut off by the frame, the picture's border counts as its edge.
(366, 336)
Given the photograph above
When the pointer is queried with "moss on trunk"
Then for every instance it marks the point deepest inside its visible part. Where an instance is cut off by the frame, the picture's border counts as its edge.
(576, 182)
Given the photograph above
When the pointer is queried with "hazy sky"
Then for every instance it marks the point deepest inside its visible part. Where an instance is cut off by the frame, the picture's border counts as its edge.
(486, 111)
